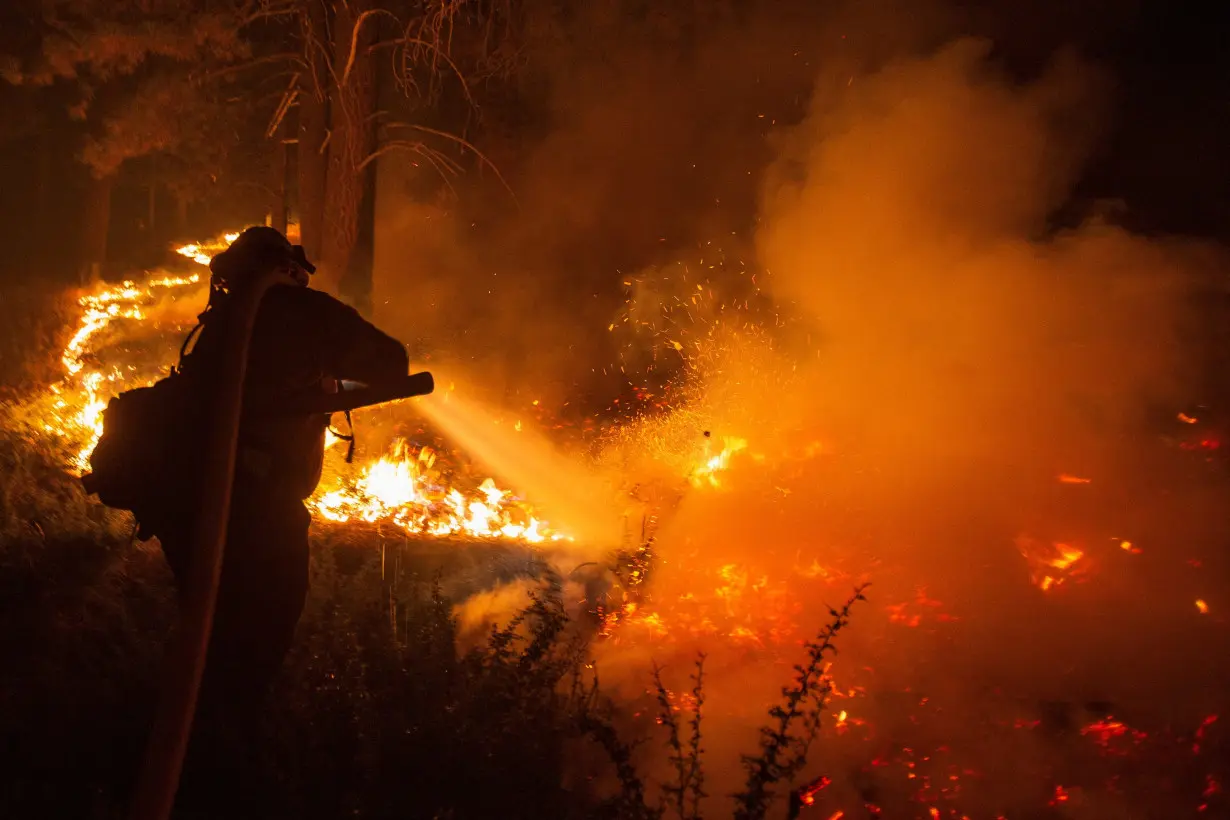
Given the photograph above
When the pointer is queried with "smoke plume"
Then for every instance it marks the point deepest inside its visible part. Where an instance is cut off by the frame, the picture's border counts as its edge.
(906, 355)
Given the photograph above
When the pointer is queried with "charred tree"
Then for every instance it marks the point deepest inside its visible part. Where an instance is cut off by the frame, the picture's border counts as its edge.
(313, 127)
(352, 136)
(181, 214)
(96, 224)
(280, 171)
(356, 287)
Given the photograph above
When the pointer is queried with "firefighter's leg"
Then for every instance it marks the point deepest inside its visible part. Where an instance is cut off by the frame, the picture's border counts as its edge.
(260, 598)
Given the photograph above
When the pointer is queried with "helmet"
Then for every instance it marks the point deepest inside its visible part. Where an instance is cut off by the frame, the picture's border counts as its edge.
(255, 249)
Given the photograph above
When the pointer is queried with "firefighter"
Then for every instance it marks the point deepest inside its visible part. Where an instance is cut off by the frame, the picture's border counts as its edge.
(303, 341)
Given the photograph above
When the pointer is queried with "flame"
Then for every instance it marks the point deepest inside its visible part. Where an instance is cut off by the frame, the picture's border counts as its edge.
(1113, 736)
(732, 603)
(707, 472)
(401, 487)
(807, 794)
(76, 411)
(1051, 564)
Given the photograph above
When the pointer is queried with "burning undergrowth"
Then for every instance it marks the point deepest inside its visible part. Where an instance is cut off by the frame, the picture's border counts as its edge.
(127, 335)
(912, 379)
(904, 377)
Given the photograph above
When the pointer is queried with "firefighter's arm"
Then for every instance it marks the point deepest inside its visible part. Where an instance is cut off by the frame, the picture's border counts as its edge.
(357, 350)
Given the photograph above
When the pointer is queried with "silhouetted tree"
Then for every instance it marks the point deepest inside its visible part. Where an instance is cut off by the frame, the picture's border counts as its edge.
(134, 74)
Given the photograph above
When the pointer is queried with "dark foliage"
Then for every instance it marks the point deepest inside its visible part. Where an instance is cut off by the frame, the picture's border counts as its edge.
(784, 743)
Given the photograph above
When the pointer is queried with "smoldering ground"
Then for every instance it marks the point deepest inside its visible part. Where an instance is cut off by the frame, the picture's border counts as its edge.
(957, 359)
(950, 355)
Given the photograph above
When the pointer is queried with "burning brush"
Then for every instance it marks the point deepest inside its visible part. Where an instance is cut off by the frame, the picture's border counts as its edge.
(617, 587)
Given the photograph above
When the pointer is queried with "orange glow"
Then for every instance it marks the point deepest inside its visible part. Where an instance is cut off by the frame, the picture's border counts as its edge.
(1202, 607)
(1113, 736)
(713, 464)
(1072, 479)
(78, 402)
(1050, 565)
(400, 488)
(807, 795)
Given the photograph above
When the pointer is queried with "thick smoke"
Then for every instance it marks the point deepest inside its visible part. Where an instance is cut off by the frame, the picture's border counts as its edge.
(934, 355)
(951, 357)
(908, 220)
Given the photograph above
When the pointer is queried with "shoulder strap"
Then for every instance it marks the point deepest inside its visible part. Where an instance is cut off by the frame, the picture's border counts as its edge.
(217, 299)
(192, 334)
(347, 438)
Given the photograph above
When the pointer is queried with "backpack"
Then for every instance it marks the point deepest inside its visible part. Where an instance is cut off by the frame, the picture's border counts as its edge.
(148, 459)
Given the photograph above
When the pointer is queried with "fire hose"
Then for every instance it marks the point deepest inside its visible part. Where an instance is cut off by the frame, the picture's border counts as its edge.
(186, 655)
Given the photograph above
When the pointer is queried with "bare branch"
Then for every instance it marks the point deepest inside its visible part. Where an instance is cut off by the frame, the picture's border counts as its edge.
(259, 61)
(438, 53)
(354, 40)
(442, 163)
(288, 99)
(285, 10)
(468, 145)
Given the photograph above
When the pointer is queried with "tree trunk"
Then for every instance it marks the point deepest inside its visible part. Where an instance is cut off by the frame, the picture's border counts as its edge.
(352, 138)
(96, 223)
(356, 286)
(313, 129)
(42, 205)
(280, 217)
(180, 228)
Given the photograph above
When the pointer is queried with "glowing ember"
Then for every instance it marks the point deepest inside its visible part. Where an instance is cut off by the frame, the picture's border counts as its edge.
(1051, 564)
(1202, 607)
(1113, 736)
(913, 613)
(746, 609)
(707, 472)
(1201, 731)
(1072, 479)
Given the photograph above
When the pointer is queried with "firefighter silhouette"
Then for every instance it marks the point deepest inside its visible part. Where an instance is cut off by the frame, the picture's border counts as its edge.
(303, 342)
